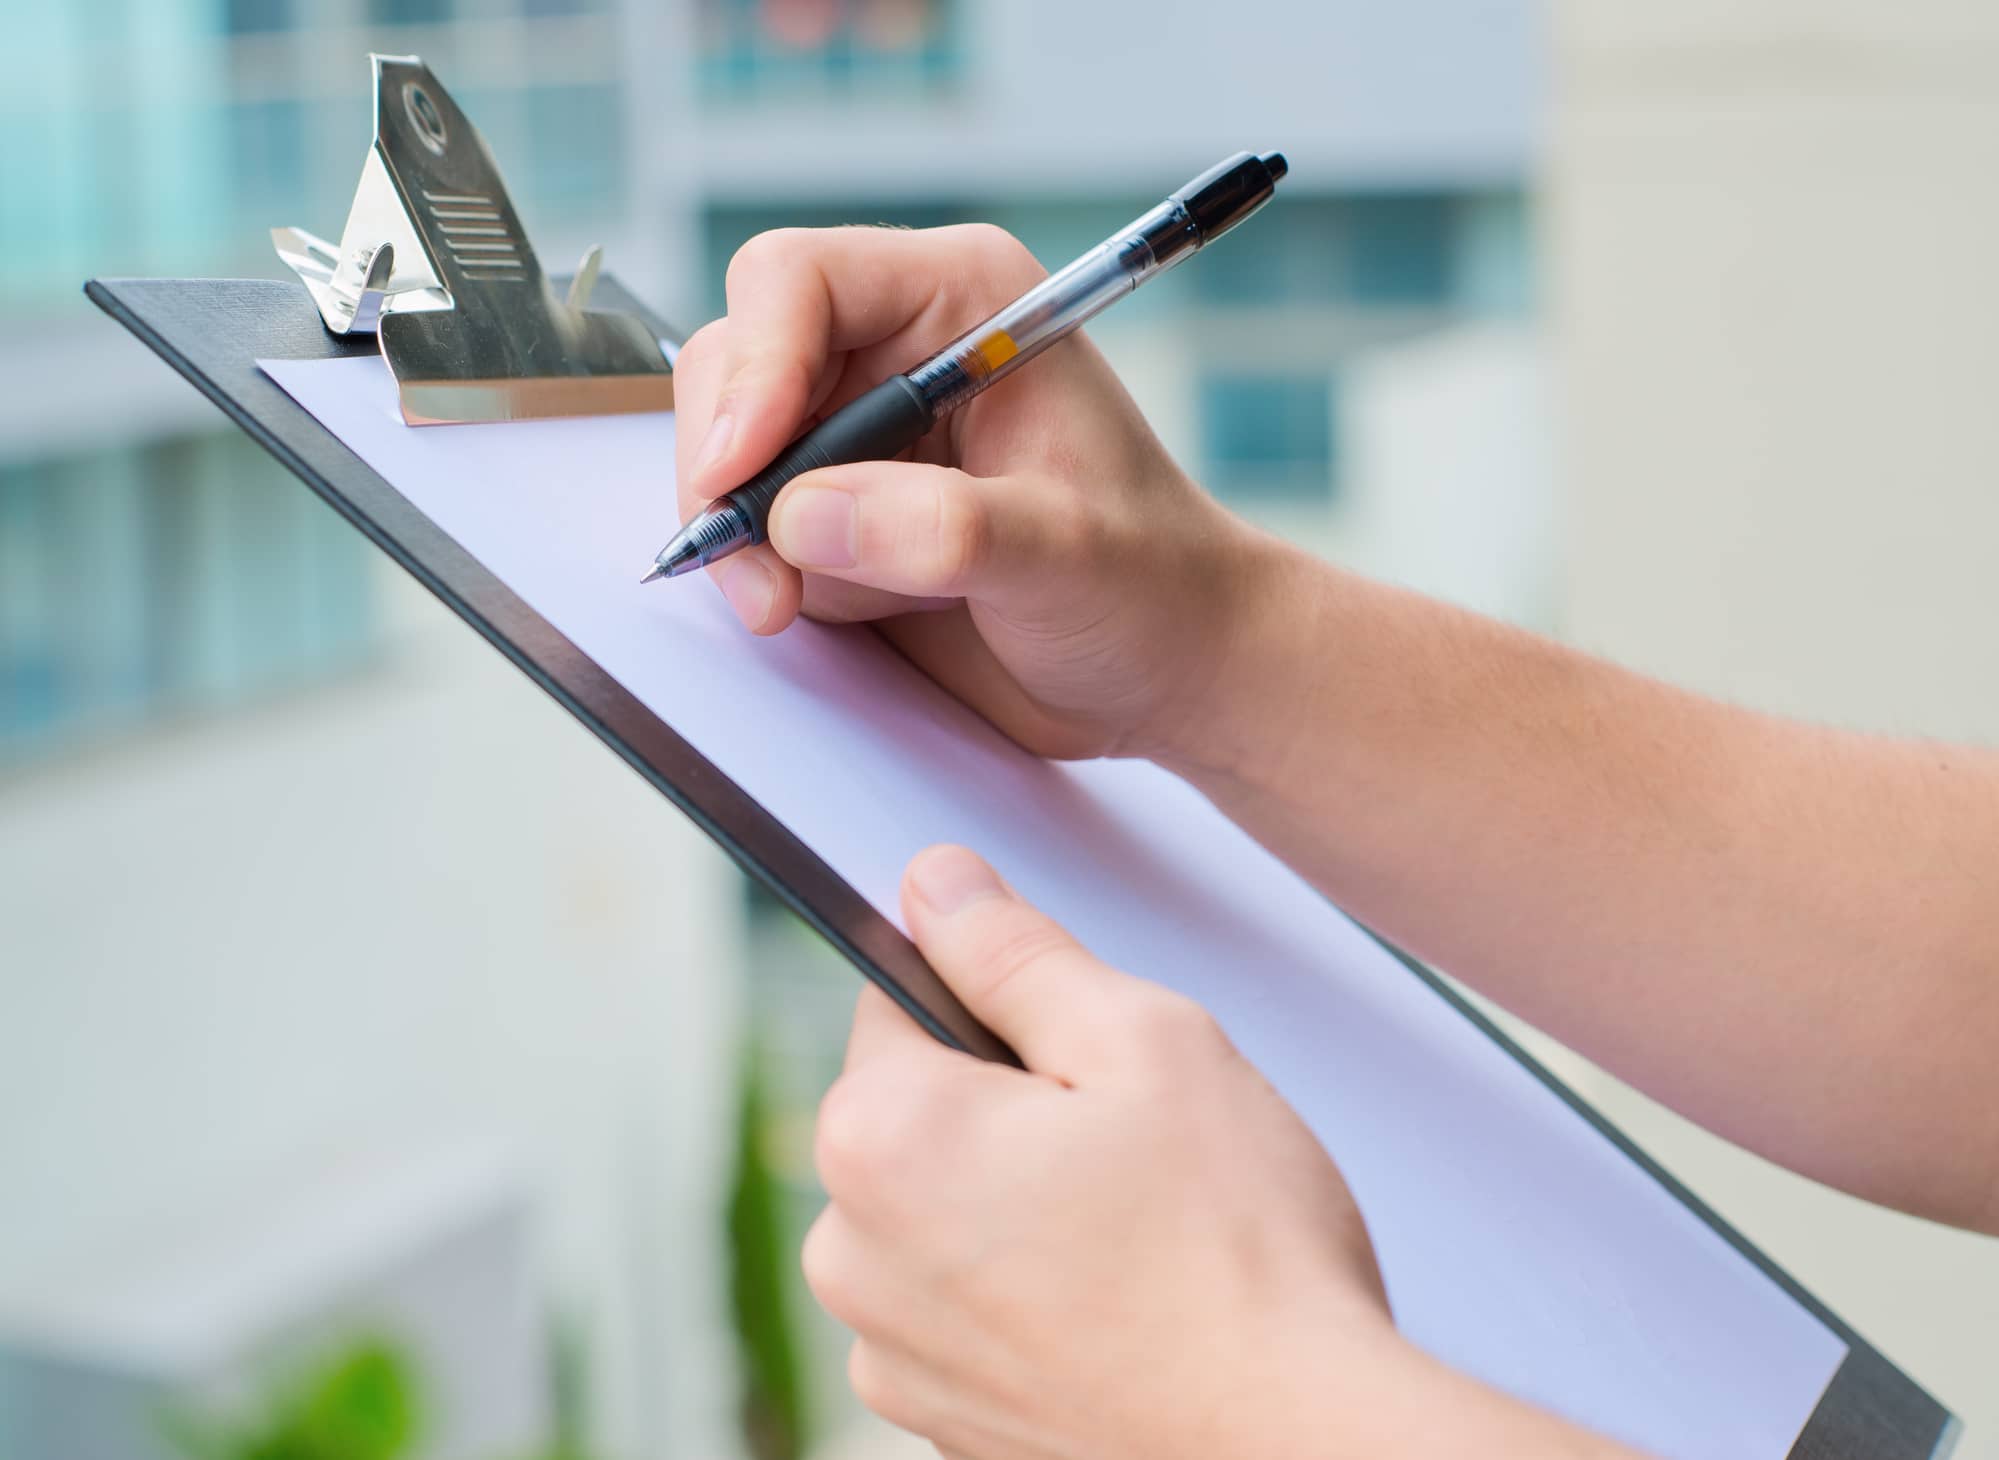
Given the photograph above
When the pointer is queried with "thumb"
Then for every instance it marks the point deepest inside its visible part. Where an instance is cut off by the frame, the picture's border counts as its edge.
(925, 531)
(1017, 970)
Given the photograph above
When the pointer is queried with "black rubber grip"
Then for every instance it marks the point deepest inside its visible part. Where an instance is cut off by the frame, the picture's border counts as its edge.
(889, 418)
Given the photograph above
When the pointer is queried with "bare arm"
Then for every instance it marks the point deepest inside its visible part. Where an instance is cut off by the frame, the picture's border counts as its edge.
(1790, 934)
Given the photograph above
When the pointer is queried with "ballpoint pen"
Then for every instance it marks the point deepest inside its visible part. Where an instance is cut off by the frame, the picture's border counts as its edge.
(899, 411)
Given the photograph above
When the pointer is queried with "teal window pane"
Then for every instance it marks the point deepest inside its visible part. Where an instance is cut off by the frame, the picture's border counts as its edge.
(1289, 253)
(574, 147)
(31, 690)
(1400, 250)
(1268, 435)
(409, 12)
(1495, 255)
(186, 574)
(248, 16)
(1249, 267)
(269, 142)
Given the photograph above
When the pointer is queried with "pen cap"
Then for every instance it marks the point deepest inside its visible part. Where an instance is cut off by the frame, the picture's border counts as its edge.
(1230, 191)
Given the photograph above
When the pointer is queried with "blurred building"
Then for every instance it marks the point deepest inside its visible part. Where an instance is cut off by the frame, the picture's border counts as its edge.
(306, 897)
(296, 877)
(307, 902)
(1777, 324)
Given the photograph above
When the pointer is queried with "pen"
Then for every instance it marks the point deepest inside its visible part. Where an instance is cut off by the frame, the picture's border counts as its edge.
(899, 411)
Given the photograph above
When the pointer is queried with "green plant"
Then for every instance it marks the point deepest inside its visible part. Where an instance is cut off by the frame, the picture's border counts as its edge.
(358, 1405)
(568, 1394)
(773, 1403)
(363, 1402)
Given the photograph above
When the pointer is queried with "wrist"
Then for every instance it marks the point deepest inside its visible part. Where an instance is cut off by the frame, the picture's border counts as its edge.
(1368, 1394)
(1339, 1384)
(1249, 691)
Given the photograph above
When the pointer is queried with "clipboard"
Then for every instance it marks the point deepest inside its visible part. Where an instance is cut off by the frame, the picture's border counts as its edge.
(214, 331)
(434, 272)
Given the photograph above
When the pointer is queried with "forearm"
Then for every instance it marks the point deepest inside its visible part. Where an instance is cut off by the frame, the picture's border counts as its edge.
(1387, 1401)
(1789, 934)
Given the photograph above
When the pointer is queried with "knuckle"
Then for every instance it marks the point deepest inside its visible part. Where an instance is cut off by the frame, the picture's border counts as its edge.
(706, 342)
(876, 1385)
(1013, 946)
(1073, 526)
(843, 1139)
(960, 533)
(983, 266)
(765, 253)
(867, 1121)
(867, 1378)
(699, 354)
(1002, 254)
(1028, 942)
(1175, 1025)
(828, 1269)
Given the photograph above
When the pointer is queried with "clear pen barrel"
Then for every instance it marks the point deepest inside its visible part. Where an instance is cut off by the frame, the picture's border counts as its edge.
(1056, 306)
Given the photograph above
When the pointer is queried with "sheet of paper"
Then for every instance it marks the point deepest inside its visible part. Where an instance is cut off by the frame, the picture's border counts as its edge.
(1516, 1241)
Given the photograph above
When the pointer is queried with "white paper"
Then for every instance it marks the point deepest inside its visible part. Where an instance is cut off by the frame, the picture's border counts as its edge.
(1517, 1243)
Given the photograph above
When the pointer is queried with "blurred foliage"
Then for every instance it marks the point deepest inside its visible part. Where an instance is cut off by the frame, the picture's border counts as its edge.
(568, 1394)
(364, 1402)
(773, 1406)
(361, 1404)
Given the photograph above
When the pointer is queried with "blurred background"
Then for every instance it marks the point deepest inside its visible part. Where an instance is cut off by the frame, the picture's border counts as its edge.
(346, 1097)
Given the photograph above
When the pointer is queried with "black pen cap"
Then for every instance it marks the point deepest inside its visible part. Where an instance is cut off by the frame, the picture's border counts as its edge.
(1230, 191)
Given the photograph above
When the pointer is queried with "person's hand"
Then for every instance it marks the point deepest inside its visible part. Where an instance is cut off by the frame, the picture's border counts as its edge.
(1137, 1249)
(1041, 556)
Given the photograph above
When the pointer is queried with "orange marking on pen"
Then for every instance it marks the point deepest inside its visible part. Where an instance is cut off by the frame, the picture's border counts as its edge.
(997, 348)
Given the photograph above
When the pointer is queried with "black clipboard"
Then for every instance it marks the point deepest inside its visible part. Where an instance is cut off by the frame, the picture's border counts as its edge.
(213, 331)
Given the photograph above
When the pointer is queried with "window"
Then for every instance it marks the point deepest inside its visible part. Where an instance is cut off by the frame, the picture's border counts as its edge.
(409, 12)
(1362, 250)
(189, 573)
(1269, 436)
(572, 150)
(247, 16)
(766, 47)
(269, 142)
(1399, 250)
(1290, 254)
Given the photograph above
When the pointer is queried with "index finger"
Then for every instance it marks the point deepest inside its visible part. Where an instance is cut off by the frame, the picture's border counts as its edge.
(799, 298)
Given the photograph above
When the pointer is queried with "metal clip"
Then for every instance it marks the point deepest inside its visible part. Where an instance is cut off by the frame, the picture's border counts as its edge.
(434, 260)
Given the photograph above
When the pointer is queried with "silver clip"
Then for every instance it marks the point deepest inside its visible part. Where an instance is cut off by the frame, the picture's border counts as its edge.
(434, 260)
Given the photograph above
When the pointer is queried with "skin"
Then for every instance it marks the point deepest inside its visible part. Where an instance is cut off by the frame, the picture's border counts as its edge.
(1787, 933)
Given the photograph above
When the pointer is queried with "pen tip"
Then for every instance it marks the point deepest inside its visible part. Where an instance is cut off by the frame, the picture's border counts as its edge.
(657, 572)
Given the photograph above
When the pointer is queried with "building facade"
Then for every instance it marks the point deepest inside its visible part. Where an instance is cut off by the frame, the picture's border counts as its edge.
(291, 866)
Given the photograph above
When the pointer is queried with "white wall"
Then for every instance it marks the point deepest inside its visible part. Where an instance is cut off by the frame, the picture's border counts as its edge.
(1066, 98)
(419, 903)
(1773, 231)
(1447, 486)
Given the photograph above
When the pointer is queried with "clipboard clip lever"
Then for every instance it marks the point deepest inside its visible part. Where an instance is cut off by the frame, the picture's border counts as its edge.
(434, 261)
